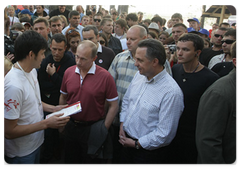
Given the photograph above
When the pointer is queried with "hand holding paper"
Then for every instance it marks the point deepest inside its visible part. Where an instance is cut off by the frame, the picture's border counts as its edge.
(69, 110)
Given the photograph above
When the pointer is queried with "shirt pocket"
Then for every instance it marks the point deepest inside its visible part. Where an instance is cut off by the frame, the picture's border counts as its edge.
(148, 112)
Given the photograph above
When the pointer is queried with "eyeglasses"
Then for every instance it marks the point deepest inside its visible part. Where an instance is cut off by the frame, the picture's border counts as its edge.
(95, 20)
(218, 35)
(102, 42)
(228, 41)
(70, 31)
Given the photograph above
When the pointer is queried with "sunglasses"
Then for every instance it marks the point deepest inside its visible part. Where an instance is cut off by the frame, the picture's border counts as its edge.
(102, 42)
(95, 20)
(218, 35)
(228, 41)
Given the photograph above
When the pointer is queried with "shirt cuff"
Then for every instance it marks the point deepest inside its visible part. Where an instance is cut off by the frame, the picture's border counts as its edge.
(110, 100)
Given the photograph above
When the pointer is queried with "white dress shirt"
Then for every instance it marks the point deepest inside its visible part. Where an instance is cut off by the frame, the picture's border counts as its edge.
(79, 29)
(151, 110)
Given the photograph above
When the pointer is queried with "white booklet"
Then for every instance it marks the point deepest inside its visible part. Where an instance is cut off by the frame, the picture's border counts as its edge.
(69, 110)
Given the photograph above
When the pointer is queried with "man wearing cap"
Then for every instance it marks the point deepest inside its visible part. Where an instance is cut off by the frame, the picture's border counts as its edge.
(154, 28)
(60, 11)
(27, 13)
(194, 23)
(202, 32)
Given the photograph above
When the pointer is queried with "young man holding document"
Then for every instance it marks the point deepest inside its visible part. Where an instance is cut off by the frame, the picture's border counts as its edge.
(23, 108)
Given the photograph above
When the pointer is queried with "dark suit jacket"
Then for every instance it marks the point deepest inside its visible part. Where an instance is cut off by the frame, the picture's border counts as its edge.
(216, 122)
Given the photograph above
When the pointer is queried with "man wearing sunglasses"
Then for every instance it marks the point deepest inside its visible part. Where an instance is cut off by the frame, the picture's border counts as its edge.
(228, 39)
(208, 53)
(97, 18)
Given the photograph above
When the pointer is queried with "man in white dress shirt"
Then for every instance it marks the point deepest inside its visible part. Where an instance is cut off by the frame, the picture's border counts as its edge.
(151, 107)
(74, 20)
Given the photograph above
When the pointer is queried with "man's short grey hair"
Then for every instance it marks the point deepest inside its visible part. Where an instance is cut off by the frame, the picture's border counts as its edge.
(143, 31)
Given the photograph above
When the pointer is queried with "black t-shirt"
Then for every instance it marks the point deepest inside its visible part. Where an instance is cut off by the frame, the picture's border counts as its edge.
(56, 12)
(207, 54)
(193, 86)
(105, 58)
(222, 69)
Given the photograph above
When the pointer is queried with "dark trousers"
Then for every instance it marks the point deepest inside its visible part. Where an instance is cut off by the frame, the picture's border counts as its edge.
(182, 150)
(117, 147)
(142, 156)
(76, 144)
(51, 146)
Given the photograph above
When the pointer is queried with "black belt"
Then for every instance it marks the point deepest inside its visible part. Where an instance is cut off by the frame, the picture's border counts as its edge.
(82, 123)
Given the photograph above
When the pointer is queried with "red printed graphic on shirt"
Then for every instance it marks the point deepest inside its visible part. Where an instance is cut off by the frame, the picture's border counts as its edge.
(10, 101)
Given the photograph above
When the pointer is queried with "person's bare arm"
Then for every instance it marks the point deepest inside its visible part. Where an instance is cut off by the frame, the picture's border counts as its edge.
(112, 111)
(13, 130)
(63, 99)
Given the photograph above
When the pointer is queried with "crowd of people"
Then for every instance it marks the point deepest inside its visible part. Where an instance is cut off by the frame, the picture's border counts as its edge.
(148, 93)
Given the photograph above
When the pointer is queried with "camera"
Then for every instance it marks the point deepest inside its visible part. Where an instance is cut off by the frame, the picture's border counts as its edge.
(9, 41)
(172, 48)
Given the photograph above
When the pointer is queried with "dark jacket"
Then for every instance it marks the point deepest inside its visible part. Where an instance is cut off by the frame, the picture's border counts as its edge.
(50, 85)
(56, 12)
(44, 14)
(100, 141)
(115, 44)
(216, 122)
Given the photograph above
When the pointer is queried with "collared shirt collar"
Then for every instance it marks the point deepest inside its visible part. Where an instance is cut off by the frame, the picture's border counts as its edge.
(129, 56)
(99, 50)
(92, 70)
(156, 78)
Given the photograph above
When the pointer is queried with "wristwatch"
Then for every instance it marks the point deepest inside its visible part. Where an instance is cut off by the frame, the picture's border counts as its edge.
(136, 145)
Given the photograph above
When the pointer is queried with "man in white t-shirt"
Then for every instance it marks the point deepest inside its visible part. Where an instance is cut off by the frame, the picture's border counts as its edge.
(23, 109)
